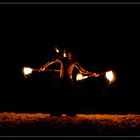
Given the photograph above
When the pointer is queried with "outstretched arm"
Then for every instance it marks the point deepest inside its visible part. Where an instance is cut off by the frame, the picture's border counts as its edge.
(43, 68)
(83, 71)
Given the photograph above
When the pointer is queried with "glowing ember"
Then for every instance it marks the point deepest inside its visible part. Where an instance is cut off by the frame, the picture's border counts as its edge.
(27, 70)
(57, 50)
(110, 75)
(64, 54)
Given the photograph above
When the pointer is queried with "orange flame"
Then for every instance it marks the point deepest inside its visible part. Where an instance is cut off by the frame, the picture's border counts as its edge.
(80, 77)
(57, 50)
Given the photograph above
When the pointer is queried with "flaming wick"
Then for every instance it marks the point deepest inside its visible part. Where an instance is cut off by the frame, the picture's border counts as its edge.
(80, 77)
(57, 50)
(27, 70)
(110, 75)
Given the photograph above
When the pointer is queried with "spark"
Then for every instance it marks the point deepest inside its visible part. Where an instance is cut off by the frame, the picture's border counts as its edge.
(56, 49)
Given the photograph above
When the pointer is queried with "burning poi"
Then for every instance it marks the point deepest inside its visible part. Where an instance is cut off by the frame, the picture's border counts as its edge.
(110, 76)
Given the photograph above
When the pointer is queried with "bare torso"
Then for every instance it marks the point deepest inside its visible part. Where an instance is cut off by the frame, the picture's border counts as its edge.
(67, 70)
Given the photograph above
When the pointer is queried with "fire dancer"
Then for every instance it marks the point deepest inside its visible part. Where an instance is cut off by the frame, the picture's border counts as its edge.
(64, 93)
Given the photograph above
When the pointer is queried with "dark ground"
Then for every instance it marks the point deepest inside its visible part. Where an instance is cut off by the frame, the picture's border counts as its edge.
(38, 124)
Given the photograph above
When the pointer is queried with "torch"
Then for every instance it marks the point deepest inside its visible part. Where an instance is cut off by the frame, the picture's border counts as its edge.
(28, 71)
(109, 75)
(80, 76)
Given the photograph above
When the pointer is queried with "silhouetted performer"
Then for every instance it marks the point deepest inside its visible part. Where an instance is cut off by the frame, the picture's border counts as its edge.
(64, 101)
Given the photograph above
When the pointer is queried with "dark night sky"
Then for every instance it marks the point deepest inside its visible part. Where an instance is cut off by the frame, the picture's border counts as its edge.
(101, 37)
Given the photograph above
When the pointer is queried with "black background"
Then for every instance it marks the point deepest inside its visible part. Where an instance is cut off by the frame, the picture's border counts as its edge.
(101, 36)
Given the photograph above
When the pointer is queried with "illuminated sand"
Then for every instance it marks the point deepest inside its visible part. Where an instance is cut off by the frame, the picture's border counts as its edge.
(80, 125)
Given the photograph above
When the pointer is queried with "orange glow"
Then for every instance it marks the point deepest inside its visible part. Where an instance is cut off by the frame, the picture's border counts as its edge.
(27, 70)
(57, 50)
(134, 119)
(64, 54)
(80, 77)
